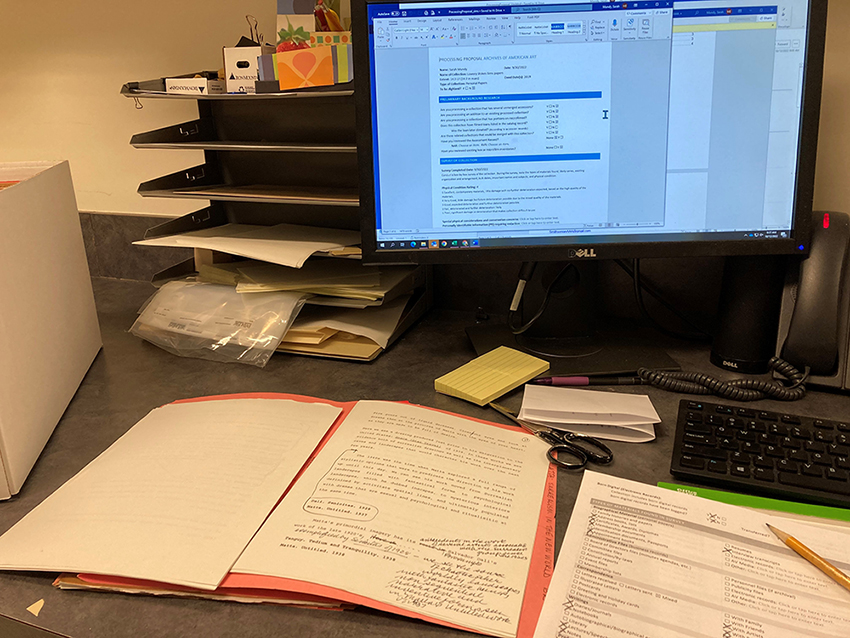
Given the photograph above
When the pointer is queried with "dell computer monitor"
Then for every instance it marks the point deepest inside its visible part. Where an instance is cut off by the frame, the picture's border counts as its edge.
(566, 129)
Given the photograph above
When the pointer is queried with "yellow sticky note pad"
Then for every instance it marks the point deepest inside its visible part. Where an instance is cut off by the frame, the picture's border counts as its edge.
(491, 375)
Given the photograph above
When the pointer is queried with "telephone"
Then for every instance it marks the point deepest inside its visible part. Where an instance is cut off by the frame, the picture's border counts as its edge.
(814, 321)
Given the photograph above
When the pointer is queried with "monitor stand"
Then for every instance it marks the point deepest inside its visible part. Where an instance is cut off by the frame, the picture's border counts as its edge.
(568, 333)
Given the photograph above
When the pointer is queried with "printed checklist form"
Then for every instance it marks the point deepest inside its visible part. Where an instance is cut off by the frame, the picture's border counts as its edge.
(645, 562)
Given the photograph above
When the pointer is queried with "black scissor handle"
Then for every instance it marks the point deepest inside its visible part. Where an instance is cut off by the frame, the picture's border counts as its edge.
(594, 449)
(572, 450)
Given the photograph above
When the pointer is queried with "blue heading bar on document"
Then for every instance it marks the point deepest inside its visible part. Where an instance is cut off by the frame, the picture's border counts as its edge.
(503, 159)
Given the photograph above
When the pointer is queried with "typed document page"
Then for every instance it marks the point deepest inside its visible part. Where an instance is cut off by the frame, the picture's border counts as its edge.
(421, 510)
(520, 136)
(646, 562)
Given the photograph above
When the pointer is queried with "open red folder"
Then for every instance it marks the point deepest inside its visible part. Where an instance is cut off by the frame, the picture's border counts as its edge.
(341, 513)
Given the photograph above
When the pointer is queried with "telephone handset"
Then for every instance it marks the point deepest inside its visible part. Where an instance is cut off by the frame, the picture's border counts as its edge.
(814, 328)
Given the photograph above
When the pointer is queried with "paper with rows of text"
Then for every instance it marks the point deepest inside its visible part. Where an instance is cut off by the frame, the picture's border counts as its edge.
(422, 510)
(645, 562)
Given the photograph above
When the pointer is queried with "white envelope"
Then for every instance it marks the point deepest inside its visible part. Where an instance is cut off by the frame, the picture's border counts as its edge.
(609, 415)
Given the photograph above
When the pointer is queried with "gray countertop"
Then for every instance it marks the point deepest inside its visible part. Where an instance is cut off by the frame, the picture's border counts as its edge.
(131, 377)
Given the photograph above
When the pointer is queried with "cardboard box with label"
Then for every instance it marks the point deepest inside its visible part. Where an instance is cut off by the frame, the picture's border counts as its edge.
(241, 69)
(50, 331)
(194, 86)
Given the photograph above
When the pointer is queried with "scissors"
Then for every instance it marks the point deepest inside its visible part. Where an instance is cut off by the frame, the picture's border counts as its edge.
(585, 449)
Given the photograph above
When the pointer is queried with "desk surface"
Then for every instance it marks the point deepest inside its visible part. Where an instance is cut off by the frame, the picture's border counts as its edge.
(131, 377)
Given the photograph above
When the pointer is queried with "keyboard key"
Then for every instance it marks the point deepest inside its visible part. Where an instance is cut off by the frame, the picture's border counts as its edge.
(716, 466)
(694, 416)
(799, 455)
(788, 418)
(728, 444)
(838, 450)
(842, 462)
(699, 439)
(814, 483)
(763, 461)
(698, 428)
(740, 470)
(768, 439)
(736, 424)
(723, 409)
(714, 419)
(750, 447)
(821, 459)
(823, 437)
(707, 451)
(842, 427)
(810, 469)
(764, 474)
(740, 458)
(774, 451)
(812, 446)
(692, 462)
(784, 465)
(756, 426)
(778, 430)
(746, 413)
(837, 475)
(694, 405)
(767, 416)
(790, 444)
(747, 436)
(823, 425)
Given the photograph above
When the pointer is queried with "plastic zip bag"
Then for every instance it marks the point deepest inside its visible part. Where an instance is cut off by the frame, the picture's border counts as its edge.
(212, 321)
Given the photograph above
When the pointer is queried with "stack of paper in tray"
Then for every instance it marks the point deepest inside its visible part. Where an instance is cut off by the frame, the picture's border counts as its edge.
(353, 310)
(284, 244)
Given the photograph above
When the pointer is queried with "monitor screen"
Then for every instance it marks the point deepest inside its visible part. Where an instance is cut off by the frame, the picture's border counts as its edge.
(504, 129)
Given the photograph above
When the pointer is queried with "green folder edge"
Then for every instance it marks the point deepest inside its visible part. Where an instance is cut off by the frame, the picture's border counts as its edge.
(745, 500)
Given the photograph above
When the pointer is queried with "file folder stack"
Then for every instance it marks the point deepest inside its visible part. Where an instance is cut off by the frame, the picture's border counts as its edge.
(352, 311)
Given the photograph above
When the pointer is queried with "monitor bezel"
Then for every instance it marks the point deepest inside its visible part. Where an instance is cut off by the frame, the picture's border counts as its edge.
(796, 243)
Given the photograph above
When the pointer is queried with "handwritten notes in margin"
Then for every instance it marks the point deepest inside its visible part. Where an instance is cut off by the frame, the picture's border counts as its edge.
(422, 510)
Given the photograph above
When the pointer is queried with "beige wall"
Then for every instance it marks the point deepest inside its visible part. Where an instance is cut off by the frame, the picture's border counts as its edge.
(62, 64)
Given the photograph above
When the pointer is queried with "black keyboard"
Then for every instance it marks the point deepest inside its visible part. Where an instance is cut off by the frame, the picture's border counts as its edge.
(773, 454)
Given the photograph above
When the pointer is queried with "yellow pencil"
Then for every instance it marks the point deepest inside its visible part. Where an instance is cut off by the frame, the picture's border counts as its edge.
(822, 564)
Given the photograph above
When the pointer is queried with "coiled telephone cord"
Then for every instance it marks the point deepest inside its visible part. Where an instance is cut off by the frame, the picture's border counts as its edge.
(736, 390)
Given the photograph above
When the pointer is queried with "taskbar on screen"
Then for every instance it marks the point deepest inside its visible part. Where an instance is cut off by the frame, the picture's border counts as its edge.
(571, 240)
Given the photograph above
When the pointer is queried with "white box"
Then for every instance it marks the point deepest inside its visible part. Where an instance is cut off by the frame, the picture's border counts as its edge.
(49, 333)
(241, 70)
(194, 86)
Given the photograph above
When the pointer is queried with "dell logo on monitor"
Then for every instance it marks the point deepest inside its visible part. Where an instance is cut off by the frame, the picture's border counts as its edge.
(582, 252)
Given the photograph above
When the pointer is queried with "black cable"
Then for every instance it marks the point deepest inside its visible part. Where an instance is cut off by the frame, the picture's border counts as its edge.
(512, 314)
(736, 390)
(639, 286)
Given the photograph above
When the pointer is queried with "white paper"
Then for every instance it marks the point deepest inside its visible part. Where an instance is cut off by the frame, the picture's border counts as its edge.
(284, 244)
(425, 511)
(314, 273)
(645, 562)
(615, 416)
(377, 324)
(176, 498)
